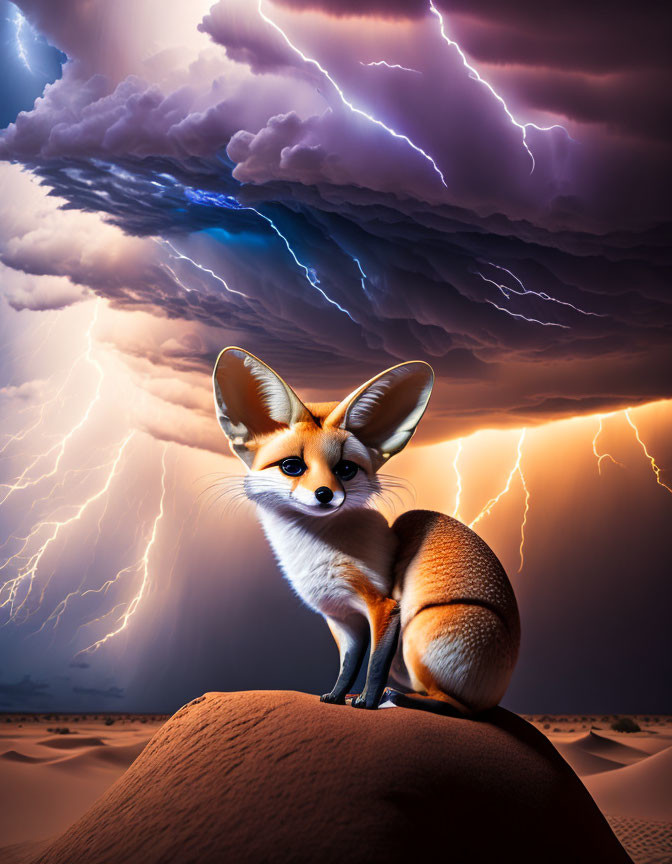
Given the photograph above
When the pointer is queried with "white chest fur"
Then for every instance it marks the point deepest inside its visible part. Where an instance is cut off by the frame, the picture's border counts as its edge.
(315, 555)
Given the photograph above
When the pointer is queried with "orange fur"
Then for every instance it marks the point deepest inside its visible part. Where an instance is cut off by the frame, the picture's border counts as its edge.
(457, 604)
(379, 607)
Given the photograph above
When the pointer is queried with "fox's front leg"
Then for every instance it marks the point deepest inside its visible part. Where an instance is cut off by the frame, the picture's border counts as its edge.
(384, 623)
(351, 636)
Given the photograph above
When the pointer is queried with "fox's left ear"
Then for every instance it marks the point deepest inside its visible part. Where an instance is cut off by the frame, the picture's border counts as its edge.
(384, 412)
(252, 401)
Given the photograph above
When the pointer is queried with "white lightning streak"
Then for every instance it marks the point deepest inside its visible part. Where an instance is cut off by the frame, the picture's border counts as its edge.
(515, 470)
(29, 570)
(144, 563)
(310, 273)
(456, 468)
(390, 66)
(525, 318)
(21, 482)
(473, 73)
(601, 456)
(181, 257)
(19, 23)
(345, 100)
(654, 466)
(507, 290)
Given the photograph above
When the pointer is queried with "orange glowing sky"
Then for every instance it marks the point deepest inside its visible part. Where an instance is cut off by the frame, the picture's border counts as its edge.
(108, 495)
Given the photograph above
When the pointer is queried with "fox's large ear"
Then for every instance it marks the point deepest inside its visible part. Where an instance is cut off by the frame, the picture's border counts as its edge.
(251, 400)
(384, 412)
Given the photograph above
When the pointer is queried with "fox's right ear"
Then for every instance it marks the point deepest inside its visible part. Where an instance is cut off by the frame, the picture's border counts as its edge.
(251, 401)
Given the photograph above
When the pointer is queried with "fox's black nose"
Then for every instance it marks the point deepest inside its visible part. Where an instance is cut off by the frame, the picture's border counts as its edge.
(324, 494)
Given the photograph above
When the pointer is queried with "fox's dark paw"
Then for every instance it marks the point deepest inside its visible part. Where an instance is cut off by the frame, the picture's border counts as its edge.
(363, 702)
(331, 699)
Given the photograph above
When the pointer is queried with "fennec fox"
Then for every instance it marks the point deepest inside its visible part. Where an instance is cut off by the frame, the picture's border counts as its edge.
(312, 474)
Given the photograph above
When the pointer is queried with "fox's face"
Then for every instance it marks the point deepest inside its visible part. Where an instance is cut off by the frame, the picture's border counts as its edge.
(315, 459)
(312, 468)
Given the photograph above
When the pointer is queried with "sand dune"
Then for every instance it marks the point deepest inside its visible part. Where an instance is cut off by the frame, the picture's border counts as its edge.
(641, 791)
(601, 745)
(649, 744)
(584, 762)
(15, 756)
(635, 788)
(63, 742)
(47, 782)
(279, 776)
(593, 754)
(104, 756)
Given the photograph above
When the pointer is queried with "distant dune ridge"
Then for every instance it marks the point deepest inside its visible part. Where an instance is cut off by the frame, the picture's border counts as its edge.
(641, 790)
(281, 777)
(592, 753)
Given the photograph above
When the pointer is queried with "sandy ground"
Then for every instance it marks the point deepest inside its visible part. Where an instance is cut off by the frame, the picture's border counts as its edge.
(53, 767)
(629, 775)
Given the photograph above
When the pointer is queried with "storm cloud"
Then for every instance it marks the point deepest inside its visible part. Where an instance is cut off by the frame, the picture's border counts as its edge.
(298, 224)
(23, 693)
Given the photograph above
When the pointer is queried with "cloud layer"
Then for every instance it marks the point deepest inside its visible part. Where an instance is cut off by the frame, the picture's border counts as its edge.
(303, 214)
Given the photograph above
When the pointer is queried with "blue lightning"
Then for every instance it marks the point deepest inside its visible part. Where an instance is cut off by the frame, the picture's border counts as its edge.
(473, 73)
(311, 275)
(364, 277)
(507, 290)
(228, 202)
(345, 100)
(19, 23)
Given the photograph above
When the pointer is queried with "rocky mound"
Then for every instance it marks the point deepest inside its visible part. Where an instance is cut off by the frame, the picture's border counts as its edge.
(281, 777)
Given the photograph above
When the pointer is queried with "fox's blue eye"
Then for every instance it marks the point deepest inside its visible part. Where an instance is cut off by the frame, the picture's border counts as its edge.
(293, 466)
(345, 470)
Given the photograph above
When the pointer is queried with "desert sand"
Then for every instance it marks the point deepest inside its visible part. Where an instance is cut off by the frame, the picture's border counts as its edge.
(629, 775)
(279, 777)
(53, 767)
(263, 760)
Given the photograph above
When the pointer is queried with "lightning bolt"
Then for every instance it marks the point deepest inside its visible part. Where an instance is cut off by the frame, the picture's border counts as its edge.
(22, 433)
(507, 290)
(601, 456)
(43, 405)
(19, 24)
(523, 523)
(348, 104)
(487, 509)
(54, 527)
(28, 560)
(59, 610)
(473, 73)
(654, 467)
(390, 66)
(515, 470)
(458, 476)
(363, 276)
(143, 563)
(179, 256)
(310, 273)
(525, 318)
(228, 202)
(22, 482)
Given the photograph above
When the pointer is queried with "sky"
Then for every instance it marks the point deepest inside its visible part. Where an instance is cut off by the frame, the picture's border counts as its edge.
(337, 187)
